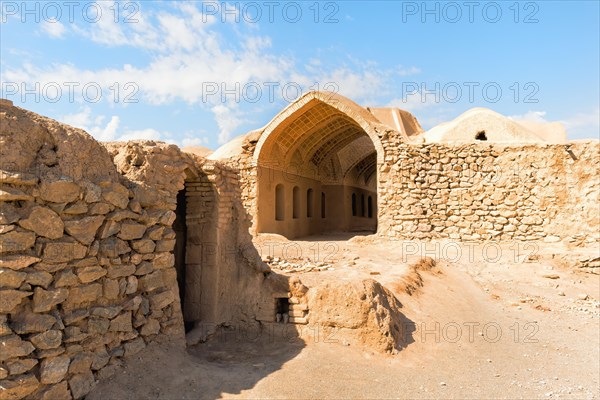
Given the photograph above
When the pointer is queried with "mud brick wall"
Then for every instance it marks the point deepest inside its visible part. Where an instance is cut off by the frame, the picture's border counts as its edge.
(201, 245)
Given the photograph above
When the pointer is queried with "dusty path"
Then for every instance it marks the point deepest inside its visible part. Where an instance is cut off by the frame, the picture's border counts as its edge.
(479, 330)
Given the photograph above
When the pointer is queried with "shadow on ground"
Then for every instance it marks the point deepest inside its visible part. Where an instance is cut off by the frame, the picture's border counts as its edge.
(235, 365)
(229, 363)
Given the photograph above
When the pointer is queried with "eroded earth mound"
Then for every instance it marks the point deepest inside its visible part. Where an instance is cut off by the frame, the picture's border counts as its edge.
(364, 312)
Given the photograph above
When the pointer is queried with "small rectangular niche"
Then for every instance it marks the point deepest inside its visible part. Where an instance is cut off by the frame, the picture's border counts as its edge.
(282, 310)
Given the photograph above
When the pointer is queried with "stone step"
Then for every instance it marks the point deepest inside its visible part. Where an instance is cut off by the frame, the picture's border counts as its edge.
(298, 320)
(297, 313)
(299, 307)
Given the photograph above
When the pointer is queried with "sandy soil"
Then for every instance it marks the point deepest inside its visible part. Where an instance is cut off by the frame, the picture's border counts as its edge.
(509, 321)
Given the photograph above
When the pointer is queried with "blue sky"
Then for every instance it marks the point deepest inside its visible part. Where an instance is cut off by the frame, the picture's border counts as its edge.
(200, 73)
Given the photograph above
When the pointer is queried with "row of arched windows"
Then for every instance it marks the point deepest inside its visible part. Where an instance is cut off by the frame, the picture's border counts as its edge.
(296, 208)
(369, 206)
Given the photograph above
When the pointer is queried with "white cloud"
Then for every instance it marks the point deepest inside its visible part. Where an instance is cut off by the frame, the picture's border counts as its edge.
(579, 125)
(80, 119)
(110, 131)
(413, 102)
(408, 71)
(579, 121)
(531, 116)
(355, 84)
(54, 28)
(428, 110)
(95, 126)
(146, 134)
(584, 125)
(163, 32)
(187, 53)
(190, 140)
(364, 82)
(228, 120)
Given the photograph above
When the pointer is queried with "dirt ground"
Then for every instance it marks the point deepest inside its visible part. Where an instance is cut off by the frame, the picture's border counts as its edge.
(495, 321)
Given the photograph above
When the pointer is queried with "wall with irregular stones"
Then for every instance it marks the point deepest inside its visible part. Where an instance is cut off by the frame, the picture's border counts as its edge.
(491, 192)
(86, 266)
(256, 294)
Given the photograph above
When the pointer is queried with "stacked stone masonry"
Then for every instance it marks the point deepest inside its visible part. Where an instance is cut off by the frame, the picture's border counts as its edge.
(477, 192)
(86, 266)
(86, 278)
(490, 192)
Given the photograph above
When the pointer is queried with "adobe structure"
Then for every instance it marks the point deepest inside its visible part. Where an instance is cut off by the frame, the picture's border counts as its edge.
(107, 247)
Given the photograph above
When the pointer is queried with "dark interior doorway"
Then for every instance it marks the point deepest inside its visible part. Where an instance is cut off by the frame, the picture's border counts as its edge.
(282, 307)
(180, 228)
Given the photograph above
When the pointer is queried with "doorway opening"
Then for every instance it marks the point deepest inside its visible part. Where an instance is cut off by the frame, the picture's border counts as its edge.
(282, 309)
(180, 228)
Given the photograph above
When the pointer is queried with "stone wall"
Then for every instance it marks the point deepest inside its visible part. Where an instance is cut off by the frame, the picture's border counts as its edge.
(477, 191)
(86, 266)
(490, 192)
(226, 283)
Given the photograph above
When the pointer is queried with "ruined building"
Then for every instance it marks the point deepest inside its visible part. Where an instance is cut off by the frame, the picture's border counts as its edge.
(107, 247)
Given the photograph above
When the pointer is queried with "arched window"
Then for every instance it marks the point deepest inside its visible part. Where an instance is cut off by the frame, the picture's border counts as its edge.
(309, 203)
(296, 202)
(370, 207)
(322, 205)
(279, 203)
(362, 205)
(354, 204)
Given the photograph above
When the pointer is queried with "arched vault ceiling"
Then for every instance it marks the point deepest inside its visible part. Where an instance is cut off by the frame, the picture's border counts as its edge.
(315, 134)
(326, 143)
(321, 138)
(312, 122)
(354, 165)
(370, 171)
(354, 152)
(366, 168)
(288, 134)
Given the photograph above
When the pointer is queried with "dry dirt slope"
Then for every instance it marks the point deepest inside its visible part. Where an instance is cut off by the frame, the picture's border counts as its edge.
(519, 338)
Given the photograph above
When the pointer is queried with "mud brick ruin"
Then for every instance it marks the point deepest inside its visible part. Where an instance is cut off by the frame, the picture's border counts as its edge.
(108, 247)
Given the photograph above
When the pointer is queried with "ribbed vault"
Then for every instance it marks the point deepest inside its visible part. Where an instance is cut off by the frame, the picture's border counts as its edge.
(320, 140)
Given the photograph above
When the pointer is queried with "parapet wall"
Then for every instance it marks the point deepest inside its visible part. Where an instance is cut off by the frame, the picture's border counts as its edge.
(490, 192)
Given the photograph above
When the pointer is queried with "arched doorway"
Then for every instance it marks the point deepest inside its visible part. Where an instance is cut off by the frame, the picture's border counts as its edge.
(323, 143)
